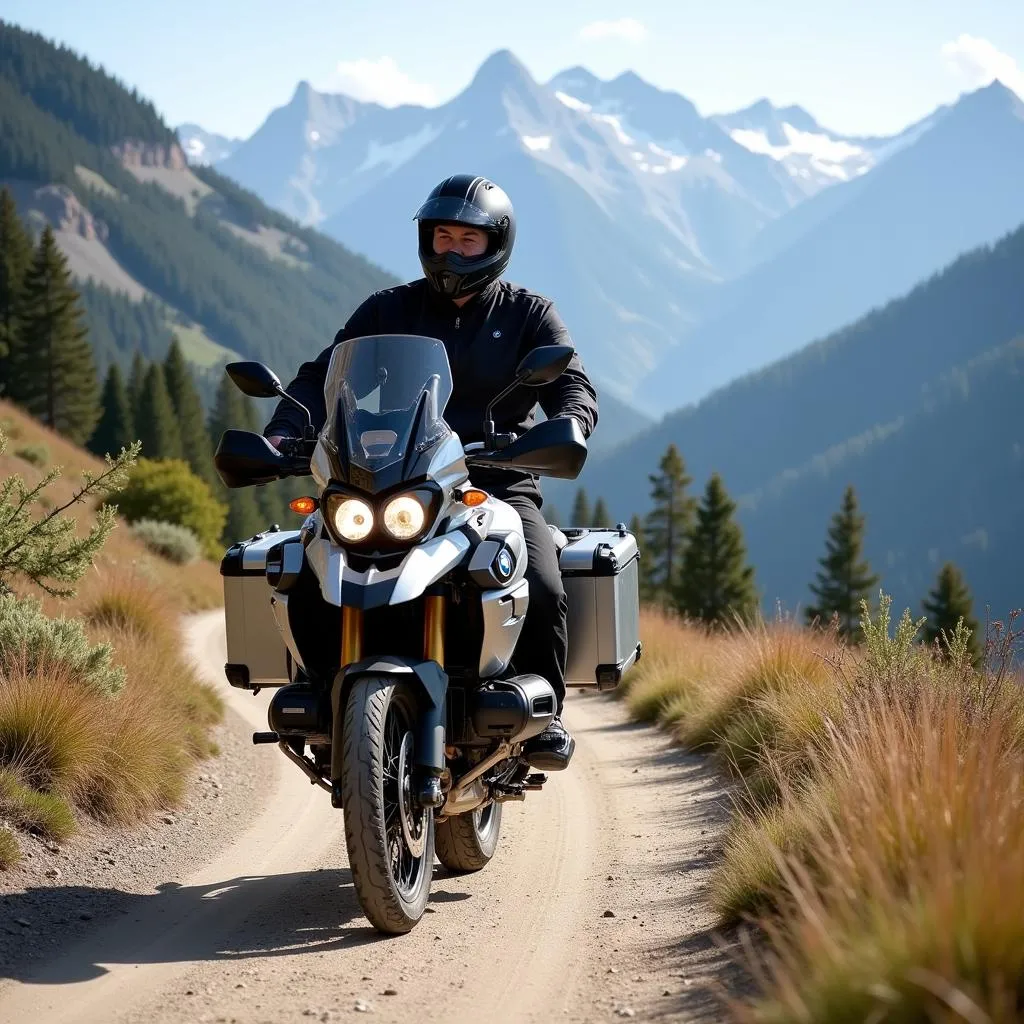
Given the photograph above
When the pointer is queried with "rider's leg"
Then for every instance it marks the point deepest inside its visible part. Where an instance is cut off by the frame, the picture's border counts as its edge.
(543, 643)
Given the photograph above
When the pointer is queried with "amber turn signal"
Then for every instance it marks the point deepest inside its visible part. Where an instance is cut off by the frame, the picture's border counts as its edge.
(472, 497)
(303, 505)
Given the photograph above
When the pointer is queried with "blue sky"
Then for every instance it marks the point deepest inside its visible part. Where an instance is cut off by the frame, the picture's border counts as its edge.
(871, 66)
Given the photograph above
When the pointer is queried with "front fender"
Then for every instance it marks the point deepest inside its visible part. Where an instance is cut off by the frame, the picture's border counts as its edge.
(429, 731)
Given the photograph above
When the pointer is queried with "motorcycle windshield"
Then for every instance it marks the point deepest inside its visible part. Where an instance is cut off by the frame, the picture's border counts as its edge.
(385, 397)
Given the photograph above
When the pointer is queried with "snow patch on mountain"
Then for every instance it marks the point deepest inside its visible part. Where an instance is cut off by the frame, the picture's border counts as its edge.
(806, 151)
(391, 155)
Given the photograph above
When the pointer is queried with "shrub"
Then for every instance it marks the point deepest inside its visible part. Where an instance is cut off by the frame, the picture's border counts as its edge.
(46, 550)
(168, 491)
(35, 454)
(31, 642)
(9, 428)
(176, 543)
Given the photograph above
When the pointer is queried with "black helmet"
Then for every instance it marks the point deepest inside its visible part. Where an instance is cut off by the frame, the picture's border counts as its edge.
(476, 202)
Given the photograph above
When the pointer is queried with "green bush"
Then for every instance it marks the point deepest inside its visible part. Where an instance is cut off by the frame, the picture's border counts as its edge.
(168, 491)
(176, 543)
(10, 429)
(31, 641)
(35, 454)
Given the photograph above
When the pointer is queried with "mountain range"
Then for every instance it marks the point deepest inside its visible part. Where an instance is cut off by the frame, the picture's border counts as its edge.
(683, 250)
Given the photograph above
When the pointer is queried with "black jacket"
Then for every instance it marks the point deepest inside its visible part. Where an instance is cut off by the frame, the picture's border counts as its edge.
(484, 339)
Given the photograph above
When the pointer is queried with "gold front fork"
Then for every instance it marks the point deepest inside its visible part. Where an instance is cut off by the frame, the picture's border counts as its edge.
(351, 635)
(433, 628)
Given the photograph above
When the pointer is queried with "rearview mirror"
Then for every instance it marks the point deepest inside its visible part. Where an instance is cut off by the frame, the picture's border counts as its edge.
(254, 379)
(544, 364)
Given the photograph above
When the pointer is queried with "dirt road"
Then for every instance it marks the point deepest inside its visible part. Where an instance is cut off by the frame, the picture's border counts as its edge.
(270, 930)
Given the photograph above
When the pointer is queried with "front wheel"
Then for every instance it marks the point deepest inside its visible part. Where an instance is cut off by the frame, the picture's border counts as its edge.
(390, 839)
(468, 841)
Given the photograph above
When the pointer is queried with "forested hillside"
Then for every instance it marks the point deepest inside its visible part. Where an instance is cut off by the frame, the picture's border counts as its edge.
(212, 260)
(918, 405)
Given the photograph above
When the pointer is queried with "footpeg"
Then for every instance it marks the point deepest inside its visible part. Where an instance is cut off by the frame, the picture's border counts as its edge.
(265, 737)
(535, 780)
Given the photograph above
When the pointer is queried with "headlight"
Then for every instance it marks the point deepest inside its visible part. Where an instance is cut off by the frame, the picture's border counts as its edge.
(404, 517)
(351, 518)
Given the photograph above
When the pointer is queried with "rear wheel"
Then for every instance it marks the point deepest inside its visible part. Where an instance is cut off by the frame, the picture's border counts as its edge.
(468, 841)
(390, 839)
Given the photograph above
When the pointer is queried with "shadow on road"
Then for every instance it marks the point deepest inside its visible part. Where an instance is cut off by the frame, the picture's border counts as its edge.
(237, 919)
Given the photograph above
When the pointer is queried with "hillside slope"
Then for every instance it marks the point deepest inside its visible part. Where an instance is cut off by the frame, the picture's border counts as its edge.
(174, 247)
(851, 402)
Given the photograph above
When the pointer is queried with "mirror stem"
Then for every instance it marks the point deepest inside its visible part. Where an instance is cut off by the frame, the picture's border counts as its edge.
(489, 433)
(294, 401)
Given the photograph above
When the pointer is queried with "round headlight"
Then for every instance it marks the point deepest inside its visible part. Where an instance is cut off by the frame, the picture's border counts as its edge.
(404, 517)
(351, 518)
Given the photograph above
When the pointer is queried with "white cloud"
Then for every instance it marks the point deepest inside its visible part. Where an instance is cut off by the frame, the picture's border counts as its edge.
(978, 62)
(629, 29)
(380, 81)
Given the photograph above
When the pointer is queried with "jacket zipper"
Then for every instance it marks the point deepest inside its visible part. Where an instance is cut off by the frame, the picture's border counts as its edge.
(458, 320)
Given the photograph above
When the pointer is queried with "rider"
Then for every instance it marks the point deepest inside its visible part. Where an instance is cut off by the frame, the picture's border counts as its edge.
(466, 233)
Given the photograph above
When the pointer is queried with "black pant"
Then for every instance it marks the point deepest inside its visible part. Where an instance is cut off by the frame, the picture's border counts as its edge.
(543, 643)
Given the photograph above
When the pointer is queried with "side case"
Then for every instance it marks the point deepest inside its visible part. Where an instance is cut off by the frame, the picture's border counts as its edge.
(257, 655)
(600, 572)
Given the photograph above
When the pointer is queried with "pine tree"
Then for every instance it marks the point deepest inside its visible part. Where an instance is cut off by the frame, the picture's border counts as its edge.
(52, 373)
(232, 410)
(188, 408)
(15, 258)
(668, 522)
(716, 582)
(115, 429)
(580, 509)
(157, 425)
(845, 577)
(136, 378)
(947, 603)
(601, 519)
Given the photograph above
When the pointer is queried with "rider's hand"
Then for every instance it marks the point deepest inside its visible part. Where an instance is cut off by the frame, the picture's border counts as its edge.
(276, 439)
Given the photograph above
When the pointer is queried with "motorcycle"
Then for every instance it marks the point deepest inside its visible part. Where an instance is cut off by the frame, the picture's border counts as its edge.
(387, 623)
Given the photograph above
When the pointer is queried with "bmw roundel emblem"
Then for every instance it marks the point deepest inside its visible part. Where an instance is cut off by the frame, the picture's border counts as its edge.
(505, 563)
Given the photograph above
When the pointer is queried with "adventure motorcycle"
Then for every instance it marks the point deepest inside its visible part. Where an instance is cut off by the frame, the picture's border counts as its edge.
(388, 622)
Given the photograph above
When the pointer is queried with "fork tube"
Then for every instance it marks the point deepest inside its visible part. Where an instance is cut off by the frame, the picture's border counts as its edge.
(351, 635)
(433, 628)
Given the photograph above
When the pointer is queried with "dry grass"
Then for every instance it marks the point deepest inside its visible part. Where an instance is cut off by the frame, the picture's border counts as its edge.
(67, 750)
(44, 813)
(131, 604)
(878, 838)
(10, 852)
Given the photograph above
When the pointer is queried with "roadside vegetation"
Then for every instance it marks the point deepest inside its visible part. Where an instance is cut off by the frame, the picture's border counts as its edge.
(877, 841)
(102, 717)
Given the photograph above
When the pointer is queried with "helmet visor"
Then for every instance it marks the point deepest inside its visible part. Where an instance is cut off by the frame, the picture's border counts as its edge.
(456, 210)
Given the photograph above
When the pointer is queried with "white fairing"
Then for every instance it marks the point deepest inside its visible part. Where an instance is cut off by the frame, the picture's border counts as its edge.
(504, 611)
(422, 565)
(279, 604)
